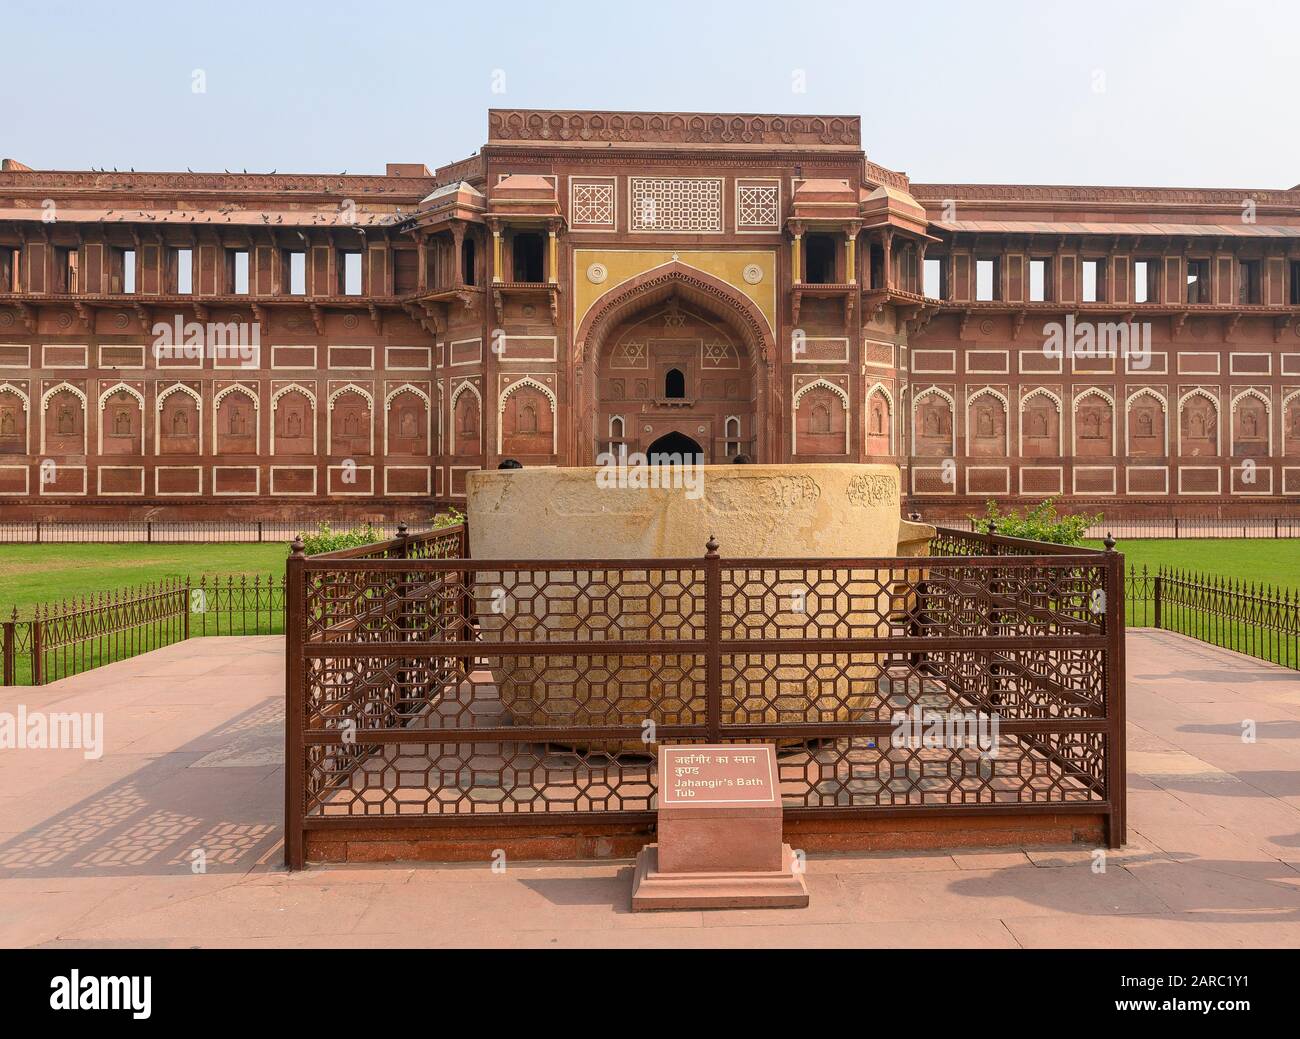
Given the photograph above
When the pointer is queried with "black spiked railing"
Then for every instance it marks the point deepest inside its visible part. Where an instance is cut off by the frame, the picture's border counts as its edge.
(65, 638)
(1249, 617)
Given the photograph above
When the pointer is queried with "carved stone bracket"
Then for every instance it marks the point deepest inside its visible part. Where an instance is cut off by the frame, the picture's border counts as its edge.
(86, 315)
(920, 319)
(317, 318)
(425, 316)
(502, 290)
(30, 316)
(436, 317)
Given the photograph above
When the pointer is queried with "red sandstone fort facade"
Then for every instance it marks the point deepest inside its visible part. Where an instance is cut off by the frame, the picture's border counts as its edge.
(602, 281)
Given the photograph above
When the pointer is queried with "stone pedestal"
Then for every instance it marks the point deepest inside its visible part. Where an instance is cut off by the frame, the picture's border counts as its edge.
(719, 834)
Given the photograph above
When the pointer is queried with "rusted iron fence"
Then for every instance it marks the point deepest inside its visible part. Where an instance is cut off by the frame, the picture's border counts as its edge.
(424, 687)
(1257, 619)
(76, 635)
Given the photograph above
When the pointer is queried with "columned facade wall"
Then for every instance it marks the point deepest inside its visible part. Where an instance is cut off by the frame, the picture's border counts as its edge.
(594, 282)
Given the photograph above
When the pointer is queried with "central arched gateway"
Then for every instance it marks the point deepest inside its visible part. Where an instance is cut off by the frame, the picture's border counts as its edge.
(674, 354)
(674, 448)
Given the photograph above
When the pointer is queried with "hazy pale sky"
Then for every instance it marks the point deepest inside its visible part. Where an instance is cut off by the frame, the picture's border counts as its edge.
(1191, 93)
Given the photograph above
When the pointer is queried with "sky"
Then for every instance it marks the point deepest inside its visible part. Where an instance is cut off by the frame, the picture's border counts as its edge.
(1192, 93)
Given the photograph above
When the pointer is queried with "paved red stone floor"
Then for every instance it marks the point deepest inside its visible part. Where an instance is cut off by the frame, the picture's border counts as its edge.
(101, 853)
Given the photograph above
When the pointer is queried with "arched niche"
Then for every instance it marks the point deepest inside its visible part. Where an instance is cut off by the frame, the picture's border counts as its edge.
(235, 421)
(933, 427)
(15, 414)
(351, 422)
(987, 434)
(406, 421)
(293, 421)
(527, 411)
(63, 420)
(179, 424)
(1094, 424)
(1040, 425)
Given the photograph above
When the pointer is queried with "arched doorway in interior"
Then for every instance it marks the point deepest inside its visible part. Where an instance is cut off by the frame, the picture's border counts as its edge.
(675, 449)
(675, 349)
(675, 366)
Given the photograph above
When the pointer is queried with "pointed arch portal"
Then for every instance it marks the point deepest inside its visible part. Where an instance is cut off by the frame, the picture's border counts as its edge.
(675, 351)
(674, 449)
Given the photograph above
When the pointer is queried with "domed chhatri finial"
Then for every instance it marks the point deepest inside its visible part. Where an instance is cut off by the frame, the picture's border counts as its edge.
(1109, 542)
(297, 550)
(711, 547)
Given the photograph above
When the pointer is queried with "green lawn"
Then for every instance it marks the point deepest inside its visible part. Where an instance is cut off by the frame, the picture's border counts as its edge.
(1227, 619)
(1261, 560)
(31, 574)
(53, 574)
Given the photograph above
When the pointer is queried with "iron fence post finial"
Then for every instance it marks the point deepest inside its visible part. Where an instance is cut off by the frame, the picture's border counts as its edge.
(1109, 542)
(711, 547)
(297, 550)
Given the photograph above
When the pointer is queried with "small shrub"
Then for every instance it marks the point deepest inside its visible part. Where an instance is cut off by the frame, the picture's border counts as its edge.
(326, 539)
(1041, 523)
(453, 517)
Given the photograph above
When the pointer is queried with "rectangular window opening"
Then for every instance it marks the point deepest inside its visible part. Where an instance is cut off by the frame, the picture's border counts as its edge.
(1198, 281)
(987, 287)
(182, 274)
(237, 271)
(350, 274)
(10, 269)
(1094, 281)
(294, 275)
(66, 269)
(936, 278)
(1040, 281)
(121, 270)
(1146, 281)
(1250, 289)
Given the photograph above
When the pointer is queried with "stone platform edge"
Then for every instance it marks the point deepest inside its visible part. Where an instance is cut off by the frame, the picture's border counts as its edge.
(571, 839)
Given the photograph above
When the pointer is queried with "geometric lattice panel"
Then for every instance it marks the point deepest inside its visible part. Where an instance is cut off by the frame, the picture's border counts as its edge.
(676, 204)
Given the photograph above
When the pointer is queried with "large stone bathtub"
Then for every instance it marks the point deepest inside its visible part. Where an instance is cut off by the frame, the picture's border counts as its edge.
(755, 511)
